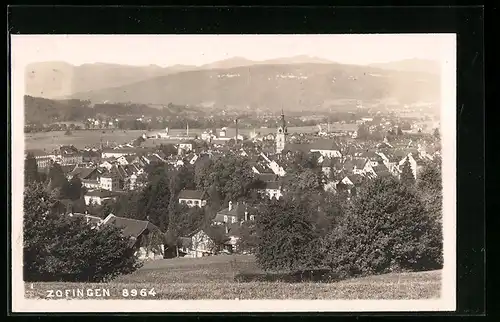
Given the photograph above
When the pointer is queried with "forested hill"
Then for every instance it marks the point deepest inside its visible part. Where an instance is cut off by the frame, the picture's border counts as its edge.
(43, 110)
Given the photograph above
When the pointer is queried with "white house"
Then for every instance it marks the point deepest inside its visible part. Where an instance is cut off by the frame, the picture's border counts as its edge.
(272, 189)
(192, 198)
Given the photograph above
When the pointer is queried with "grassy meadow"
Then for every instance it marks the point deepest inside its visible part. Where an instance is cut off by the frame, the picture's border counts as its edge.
(81, 138)
(213, 278)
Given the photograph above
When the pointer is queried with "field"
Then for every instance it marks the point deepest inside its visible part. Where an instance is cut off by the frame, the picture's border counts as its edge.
(212, 278)
(49, 141)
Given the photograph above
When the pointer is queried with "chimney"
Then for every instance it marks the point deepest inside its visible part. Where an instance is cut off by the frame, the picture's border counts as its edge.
(246, 215)
(230, 205)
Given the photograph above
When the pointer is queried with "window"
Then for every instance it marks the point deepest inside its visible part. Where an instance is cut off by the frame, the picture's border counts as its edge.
(252, 217)
(225, 218)
(189, 202)
(233, 219)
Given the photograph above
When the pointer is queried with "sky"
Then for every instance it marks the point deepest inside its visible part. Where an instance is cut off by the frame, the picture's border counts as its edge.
(167, 50)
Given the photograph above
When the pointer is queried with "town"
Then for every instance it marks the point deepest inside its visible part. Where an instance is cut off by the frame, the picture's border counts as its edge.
(107, 184)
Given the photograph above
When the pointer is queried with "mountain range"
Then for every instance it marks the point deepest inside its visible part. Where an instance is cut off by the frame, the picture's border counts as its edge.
(299, 82)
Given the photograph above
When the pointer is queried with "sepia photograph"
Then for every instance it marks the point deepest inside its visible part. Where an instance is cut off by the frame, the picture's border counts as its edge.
(223, 173)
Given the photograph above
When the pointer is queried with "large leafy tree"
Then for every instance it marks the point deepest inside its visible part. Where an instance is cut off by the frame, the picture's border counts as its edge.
(61, 248)
(230, 175)
(386, 228)
(287, 239)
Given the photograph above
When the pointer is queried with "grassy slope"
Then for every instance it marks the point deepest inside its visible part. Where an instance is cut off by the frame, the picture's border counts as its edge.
(212, 278)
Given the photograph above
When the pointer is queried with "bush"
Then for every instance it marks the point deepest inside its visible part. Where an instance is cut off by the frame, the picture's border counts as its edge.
(62, 248)
(385, 229)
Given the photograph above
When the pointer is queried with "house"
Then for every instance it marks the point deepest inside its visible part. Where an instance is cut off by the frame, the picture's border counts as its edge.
(109, 181)
(184, 147)
(84, 173)
(327, 148)
(193, 198)
(68, 155)
(107, 164)
(145, 237)
(197, 244)
(272, 189)
(91, 156)
(126, 159)
(231, 214)
(43, 159)
(98, 196)
(381, 170)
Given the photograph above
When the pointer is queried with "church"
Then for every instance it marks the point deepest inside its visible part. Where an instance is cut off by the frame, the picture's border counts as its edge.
(281, 134)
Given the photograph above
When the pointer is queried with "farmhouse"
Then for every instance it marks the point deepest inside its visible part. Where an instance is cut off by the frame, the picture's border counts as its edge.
(197, 244)
(145, 238)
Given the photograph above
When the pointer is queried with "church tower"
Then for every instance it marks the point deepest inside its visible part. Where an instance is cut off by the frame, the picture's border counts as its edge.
(281, 134)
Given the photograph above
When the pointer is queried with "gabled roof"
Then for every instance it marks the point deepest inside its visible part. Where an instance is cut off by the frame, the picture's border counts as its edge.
(296, 147)
(267, 177)
(191, 194)
(272, 185)
(359, 163)
(131, 227)
(325, 145)
(356, 179)
(82, 173)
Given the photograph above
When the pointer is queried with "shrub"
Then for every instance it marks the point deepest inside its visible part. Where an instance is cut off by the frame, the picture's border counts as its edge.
(385, 229)
(62, 248)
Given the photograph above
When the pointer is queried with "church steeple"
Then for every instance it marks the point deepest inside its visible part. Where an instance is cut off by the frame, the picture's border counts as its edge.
(281, 133)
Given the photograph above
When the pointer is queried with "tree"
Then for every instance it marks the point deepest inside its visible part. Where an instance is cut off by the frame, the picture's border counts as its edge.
(407, 176)
(30, 169)
(56, 177)
(430, 189)
(168, 149)
(286, 237)
(230, 175)
(385, 229)
(62, 248)
(72, 189)
(248, 237)
(303, 182)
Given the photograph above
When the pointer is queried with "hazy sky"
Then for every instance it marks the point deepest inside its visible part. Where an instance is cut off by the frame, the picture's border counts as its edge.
(165, 50)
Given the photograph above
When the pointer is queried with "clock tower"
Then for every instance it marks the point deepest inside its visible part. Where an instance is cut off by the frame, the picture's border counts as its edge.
(281, 134)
